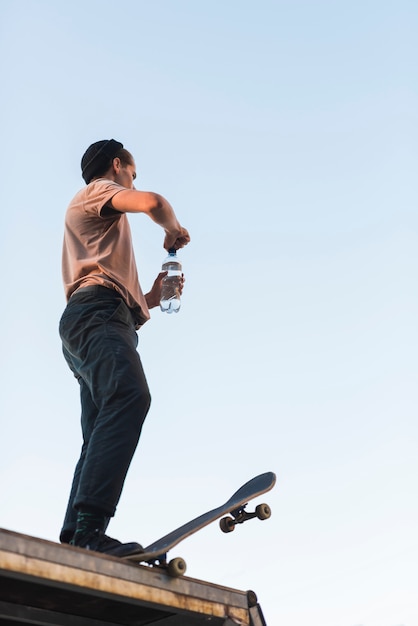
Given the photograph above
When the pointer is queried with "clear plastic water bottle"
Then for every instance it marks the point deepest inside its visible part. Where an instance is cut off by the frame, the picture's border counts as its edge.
(170, 292)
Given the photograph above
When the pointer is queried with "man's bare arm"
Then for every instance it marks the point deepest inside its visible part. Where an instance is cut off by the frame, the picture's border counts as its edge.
(158, 209)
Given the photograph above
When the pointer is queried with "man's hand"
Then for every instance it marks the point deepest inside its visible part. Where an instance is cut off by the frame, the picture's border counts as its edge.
(177, 240)
(153, 297)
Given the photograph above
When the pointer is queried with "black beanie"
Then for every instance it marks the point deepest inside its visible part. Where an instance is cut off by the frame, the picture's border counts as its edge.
(98, 157)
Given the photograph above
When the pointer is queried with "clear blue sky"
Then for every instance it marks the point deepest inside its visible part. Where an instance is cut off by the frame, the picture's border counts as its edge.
(285, 135)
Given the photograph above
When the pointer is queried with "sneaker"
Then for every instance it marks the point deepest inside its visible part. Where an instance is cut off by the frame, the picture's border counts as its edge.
(97, 541)
(66, 536)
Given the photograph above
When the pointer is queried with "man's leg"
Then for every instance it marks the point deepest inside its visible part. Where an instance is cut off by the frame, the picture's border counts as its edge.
(88, 418)
(102, 341)
(113, 373)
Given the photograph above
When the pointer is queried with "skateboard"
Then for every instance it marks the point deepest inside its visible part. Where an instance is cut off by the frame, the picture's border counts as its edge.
(234, 511)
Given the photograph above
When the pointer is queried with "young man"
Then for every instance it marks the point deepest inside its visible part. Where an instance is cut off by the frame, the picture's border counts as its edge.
(105, 307)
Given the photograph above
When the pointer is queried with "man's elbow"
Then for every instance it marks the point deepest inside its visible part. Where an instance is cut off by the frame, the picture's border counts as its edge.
(157, 202)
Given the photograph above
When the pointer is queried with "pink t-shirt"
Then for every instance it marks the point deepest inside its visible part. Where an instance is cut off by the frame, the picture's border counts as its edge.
(98, 247)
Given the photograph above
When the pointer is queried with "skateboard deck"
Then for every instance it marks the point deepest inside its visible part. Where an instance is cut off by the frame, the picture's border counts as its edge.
(234, 508)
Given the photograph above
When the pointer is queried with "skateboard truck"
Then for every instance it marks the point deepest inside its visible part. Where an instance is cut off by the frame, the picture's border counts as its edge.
(240, 515)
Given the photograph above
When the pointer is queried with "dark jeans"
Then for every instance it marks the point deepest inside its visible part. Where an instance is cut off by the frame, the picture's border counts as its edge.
(99, 344)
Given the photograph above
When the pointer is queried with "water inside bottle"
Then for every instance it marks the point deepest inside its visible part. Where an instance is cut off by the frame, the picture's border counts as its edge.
(170, 293)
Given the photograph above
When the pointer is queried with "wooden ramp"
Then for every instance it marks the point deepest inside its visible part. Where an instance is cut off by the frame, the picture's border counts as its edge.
(46, 584)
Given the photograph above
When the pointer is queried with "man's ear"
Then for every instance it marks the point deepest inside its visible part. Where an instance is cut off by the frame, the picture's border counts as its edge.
(116, 164)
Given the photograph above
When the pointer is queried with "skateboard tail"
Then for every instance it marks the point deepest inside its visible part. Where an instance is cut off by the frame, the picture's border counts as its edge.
(257, 486)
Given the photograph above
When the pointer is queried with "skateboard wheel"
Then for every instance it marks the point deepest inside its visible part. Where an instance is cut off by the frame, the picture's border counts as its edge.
(263, 511)
(177, 567)
(227, 524)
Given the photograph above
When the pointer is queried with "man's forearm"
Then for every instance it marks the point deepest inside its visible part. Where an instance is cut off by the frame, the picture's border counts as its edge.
(153, 204)
(162, 213)
(158, 209)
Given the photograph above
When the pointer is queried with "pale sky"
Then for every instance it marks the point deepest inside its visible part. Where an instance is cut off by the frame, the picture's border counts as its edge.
(285, 136)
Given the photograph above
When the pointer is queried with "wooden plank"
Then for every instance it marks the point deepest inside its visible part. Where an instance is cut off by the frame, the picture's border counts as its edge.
(101, 578)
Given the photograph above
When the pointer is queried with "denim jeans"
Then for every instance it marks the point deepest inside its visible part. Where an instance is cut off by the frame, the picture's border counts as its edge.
(99, 344)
